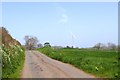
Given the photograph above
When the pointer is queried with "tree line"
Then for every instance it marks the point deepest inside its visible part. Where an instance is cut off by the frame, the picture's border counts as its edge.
(31, 42)
(109, 45)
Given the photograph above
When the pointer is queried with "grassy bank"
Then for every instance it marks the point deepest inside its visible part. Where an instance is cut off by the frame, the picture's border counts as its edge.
(12, 61)
(97, 62)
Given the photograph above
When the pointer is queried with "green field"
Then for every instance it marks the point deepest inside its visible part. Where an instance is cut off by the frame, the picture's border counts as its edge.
(101, 63)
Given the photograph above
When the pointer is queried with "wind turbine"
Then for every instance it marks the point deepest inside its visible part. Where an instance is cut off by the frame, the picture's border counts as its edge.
(73, 38)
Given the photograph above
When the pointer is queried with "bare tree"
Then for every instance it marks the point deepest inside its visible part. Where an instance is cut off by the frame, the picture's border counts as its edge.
(112, 46)
(30, 42)
(103, 46)
(98, 46)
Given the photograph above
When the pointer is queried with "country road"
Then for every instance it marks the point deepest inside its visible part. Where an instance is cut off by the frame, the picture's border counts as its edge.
(38, 65)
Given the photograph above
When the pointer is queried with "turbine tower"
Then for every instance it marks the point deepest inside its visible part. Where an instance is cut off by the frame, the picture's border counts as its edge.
(72, 41)
(73, 38)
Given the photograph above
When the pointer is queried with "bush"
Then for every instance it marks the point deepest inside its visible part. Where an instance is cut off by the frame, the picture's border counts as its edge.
(12, 61)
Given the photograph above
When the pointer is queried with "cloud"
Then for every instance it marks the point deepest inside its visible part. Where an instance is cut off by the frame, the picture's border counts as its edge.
(62, 14)
(63, 18)
(61, 9)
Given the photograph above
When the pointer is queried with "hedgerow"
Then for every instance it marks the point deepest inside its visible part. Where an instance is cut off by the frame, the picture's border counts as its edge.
(12, 60)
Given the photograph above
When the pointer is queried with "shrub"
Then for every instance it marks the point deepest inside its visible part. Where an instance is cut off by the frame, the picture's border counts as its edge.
(12, 59)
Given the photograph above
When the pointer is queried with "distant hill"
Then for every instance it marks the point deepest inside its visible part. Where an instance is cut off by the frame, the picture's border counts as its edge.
(6, 38)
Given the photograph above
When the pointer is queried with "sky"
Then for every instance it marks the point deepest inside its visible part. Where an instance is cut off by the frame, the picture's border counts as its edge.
(81, 24)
